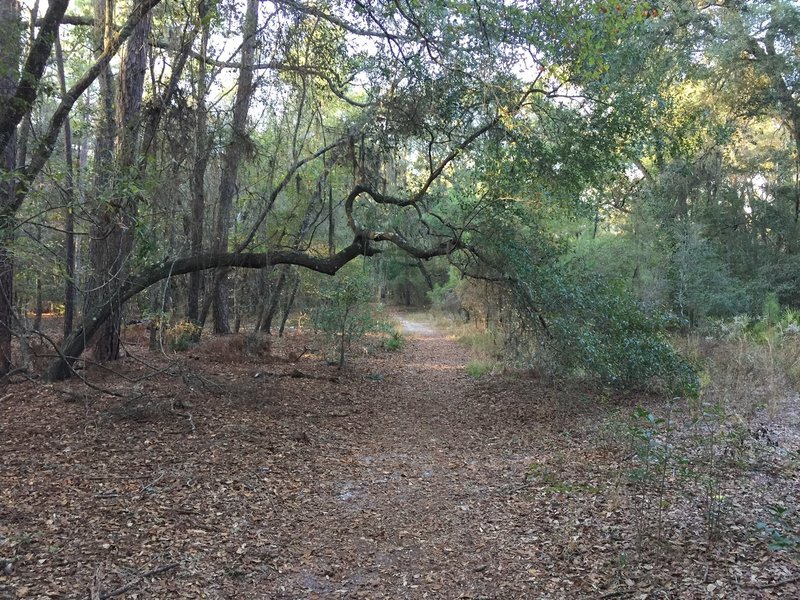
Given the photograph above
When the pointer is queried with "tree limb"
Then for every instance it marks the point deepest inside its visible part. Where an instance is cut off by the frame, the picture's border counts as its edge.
(316, 12)
(69, 20)
(20, 103)
(47, 143)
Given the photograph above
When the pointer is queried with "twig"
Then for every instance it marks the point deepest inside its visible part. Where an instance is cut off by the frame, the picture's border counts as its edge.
(94, 590)
(186, 374)
(99, 365)
(129, 586)
(150, 485)
(299, 356)
(74, 372)
(616, 592)
(156, 370)
(786, 581)
(7, 377)
(105, 477)
(186, 415)
(297, 374)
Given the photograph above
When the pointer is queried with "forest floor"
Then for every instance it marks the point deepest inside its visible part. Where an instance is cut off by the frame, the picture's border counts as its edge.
(400, 476)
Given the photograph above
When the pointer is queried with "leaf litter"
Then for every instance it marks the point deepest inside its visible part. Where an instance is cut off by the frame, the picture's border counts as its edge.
(398, 477)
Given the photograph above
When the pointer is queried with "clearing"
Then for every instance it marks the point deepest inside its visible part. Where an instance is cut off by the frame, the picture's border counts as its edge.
(399, 477)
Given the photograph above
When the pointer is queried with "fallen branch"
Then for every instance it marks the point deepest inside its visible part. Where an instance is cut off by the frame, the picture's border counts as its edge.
(129, 586)
(614, 593)
(186, 415)
(187, 376)
(150, 485)
(297, 358)
(95, 590)
(6, 379)
(298, 374)
(779, 583)
(72, 369)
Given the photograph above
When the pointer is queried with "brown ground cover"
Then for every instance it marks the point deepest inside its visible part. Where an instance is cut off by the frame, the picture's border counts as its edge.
(399, 477)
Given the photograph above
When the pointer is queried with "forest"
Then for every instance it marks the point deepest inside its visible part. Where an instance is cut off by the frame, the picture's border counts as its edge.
(399, 299)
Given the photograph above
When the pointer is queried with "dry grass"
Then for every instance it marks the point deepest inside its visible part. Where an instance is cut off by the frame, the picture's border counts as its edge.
(230, 348)
(746, 375)
(482, 342)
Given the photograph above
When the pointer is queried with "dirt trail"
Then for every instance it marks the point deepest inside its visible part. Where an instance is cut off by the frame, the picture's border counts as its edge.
(410, 508)
(414, 327)
(400, 477)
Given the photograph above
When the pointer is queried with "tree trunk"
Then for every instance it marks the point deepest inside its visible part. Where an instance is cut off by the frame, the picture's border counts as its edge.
(198, 185)
(274, 302)
(39, 306)
(331, 223)
(23, 94)
(102, 242)
(70, 289)
(104, 145)
(289, 303)
(9, 68)
(76, 342)
(231, 161)
(25, 127)
(113, 232)
(263, 293)
(343, 336)
(6, 287)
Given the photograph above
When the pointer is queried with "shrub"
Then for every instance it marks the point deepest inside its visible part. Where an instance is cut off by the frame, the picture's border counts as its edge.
(183, 336)
(394, 342)
(596, 329)
(343, 313)
(478, 368)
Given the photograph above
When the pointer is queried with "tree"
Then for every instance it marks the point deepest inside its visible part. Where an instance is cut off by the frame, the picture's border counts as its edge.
(10, 31)
(113, 232)
(408, 140)
(18, 178)
(234, 152)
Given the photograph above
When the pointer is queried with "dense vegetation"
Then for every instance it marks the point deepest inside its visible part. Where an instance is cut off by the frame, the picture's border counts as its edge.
(597, 203)
(580, 177)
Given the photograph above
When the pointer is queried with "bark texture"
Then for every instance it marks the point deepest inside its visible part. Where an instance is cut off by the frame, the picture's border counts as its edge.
(113, 232)
(198, 182)
(70, 287)
(234, 153)
(9, 65)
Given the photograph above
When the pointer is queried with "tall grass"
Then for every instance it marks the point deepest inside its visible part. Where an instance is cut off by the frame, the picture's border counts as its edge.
(747, 367)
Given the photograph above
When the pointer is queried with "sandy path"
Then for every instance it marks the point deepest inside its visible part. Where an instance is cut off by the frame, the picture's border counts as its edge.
(410, 505)
(412, 327)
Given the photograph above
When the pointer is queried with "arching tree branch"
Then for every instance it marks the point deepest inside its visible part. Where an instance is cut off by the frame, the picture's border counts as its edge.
(74, 345)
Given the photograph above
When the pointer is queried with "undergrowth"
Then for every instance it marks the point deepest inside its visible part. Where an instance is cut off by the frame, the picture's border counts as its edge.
(683, 460)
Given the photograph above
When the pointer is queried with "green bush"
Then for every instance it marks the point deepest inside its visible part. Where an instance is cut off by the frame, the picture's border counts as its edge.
(561, 316)
(183, 336)
(478, 368)
(343, 313)
(394, 342)
(595, 328)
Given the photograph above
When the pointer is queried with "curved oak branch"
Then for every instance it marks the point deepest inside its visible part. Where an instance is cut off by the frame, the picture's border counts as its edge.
(74, 345)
